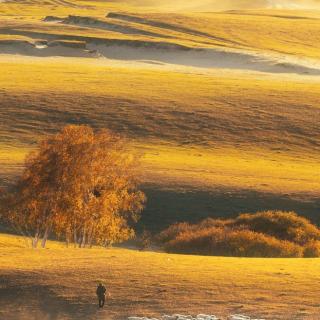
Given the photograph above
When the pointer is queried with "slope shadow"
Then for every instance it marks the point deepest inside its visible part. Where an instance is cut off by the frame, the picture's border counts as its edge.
(22, 300)
(167, 206)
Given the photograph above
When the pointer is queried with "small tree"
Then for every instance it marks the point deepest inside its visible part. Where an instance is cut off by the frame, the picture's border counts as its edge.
(80, 184)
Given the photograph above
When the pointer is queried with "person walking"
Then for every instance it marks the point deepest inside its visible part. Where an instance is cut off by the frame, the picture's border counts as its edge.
(101, 294)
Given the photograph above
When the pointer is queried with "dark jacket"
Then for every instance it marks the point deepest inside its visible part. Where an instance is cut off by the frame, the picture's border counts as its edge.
(101, 291)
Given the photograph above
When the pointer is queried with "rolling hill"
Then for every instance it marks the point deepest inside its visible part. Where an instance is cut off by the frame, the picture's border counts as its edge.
(222, 101)
(223, 105)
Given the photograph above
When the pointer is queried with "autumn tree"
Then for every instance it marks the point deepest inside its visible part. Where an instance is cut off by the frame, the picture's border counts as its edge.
(80, 184)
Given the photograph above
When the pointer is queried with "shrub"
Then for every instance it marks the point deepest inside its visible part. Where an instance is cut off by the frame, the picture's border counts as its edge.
(144, 240)
(176, 229)
(264, 234)
(312, 249)
(228, 242)
(173, 231)
(281, 225)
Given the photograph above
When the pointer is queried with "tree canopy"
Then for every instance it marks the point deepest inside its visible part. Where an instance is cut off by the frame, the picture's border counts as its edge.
(80, 184)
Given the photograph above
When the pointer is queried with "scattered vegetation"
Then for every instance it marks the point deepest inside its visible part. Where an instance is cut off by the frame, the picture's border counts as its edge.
(264, 234)
(79, 184)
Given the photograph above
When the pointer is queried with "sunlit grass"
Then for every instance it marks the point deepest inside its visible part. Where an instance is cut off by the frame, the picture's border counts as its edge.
(236, 130)
(197, 129)
(203, 168)
(294, 33)
(168, 284)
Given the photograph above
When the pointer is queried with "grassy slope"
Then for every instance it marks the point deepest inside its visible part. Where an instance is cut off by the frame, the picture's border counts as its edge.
(192, 125)
(270, 31)
(168, 284)
(214, 143)
(275, 31)
(265, 127)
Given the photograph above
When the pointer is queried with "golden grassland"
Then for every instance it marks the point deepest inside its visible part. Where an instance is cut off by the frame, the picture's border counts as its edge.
(195, 134)
(214, 142)
(254, 30)
(273, 31)
(60, 282)
(227, 141)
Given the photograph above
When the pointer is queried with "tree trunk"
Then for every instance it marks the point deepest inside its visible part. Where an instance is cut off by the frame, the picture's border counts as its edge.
(75, 238)
(90, 239)
(108, 244)
(84, 239)
(91, 236)
(67, 238)
(35, 239)
(45, 237)
(80, 241)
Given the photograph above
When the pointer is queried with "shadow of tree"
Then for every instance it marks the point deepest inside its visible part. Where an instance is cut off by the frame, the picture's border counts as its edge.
(167, 206)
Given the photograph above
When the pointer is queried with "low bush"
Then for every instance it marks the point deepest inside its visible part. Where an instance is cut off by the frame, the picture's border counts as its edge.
(237, 243)
(282, 225)
(312, 249)
(173, 231)
(264, 234)
(176, 229)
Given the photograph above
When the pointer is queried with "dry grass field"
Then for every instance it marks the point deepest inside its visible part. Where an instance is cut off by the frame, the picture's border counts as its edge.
(59, 283)
(196, 92)
(192, 128)
(222, 100)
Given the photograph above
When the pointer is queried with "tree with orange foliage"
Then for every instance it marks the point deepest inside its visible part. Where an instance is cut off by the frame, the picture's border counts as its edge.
(81, 185)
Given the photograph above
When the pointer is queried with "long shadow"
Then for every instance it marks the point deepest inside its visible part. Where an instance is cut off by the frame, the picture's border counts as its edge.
(167, 206)
(20, 299)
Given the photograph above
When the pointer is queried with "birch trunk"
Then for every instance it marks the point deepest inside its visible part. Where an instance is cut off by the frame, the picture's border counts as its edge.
(45, 237)
(35, 239)
(75, 238)
(83, 240)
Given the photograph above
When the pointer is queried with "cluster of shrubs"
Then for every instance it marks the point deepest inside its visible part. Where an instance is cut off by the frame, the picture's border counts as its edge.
(263, 234)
